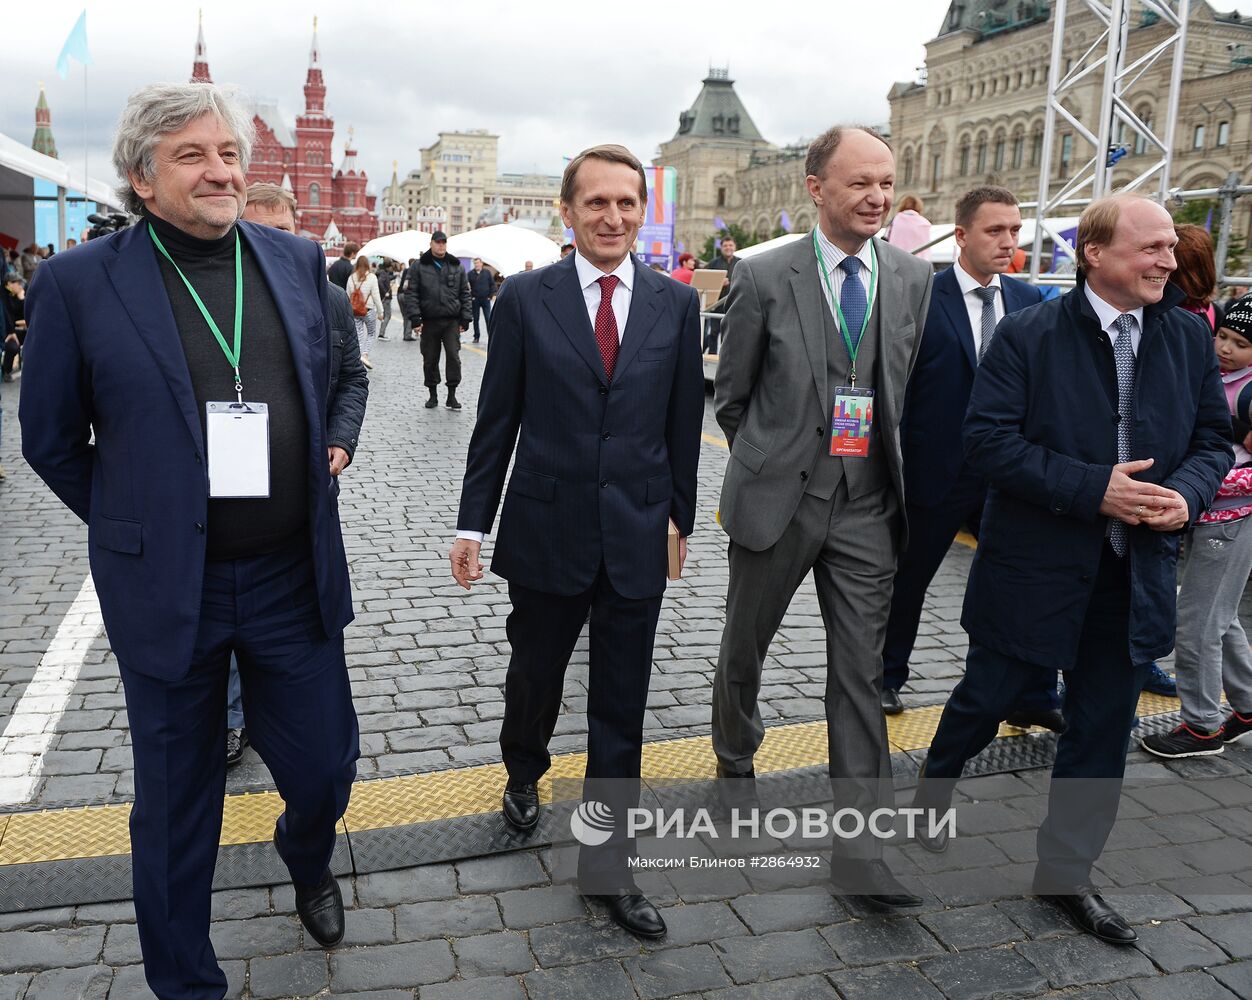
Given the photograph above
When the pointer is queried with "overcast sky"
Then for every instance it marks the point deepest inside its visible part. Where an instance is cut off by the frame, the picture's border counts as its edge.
(548, 77)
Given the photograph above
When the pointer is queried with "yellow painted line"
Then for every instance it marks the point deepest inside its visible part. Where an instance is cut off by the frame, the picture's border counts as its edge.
(378, 804)
(476, 350)
(713, 439)
(966, 539)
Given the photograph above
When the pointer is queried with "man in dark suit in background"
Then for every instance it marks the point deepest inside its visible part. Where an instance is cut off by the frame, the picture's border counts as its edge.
(120, 348)
(941, 494)
(595, 371)
(482, 285)
(1099, 422)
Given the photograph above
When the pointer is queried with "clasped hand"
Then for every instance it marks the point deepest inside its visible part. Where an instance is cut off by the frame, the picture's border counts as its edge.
(1135, 502)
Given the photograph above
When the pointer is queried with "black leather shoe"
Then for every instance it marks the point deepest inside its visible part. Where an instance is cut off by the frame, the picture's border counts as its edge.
(634, 912)
(873, 882)
(1091, 913)
(737, 790)
(933, 796)
(321, 910)
(521, 805)
(937, 842)
(1048, 719)
(891, 703)
(236, 740)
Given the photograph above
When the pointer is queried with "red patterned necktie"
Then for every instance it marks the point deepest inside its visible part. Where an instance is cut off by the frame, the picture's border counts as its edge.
(606, 324)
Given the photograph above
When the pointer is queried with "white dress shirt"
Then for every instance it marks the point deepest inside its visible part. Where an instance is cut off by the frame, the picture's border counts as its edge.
(589, 281)
(1108, 314)
(973, 302)
(832, 256)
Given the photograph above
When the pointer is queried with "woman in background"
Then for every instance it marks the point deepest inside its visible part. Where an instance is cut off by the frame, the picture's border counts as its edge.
(910, 229)
(362, 279)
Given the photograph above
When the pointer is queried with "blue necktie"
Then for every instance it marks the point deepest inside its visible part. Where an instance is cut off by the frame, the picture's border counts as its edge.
(1124, 360)
(852, 298)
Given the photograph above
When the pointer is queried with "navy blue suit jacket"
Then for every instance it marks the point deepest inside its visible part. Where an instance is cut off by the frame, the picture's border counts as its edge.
(601, 467)
(939, 388)
(1042, 429)
(103, 356)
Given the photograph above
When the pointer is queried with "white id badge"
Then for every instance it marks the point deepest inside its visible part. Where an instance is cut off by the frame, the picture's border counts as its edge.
(239, 449)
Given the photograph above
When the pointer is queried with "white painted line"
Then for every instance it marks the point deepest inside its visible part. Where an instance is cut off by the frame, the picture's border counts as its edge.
(33, 724)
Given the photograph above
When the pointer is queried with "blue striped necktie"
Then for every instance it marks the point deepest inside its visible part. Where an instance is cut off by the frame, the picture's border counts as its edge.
(852, 298)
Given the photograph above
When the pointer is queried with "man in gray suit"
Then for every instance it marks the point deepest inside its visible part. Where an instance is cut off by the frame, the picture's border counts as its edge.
(820, 337)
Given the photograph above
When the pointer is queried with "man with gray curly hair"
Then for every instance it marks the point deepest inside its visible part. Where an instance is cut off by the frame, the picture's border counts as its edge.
(176, 402)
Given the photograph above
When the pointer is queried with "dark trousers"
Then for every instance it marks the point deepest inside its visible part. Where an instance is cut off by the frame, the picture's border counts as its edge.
(300, 720)
(483, 306)
(712, 331)
(931, 530)
(445, 335)
(542, 630)
(1101, 693)
(12, 348)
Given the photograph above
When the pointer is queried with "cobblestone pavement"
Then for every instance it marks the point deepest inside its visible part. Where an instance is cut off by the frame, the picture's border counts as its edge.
(427, 661)
(427, 665)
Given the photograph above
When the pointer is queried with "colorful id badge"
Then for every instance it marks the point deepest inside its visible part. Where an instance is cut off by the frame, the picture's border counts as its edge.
(850, 423)
(238, 449)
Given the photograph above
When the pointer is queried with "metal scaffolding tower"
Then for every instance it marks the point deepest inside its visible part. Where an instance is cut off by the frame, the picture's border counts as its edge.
(1118, 124)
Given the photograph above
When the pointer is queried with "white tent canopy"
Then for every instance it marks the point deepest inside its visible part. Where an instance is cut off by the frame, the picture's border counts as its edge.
(758, 248)
(506, 248)
(24, 160)
(943, 252)
(403, 247)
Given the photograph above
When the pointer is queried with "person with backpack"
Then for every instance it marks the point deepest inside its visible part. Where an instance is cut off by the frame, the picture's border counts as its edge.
(367, 306)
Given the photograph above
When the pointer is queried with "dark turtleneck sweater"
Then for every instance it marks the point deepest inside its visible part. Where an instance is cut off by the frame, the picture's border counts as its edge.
(240, 528)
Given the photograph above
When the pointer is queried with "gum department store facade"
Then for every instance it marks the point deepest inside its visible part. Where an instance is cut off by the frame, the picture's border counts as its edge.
(978, 118)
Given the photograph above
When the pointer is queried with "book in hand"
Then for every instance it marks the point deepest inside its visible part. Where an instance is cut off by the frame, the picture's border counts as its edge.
(675, 566)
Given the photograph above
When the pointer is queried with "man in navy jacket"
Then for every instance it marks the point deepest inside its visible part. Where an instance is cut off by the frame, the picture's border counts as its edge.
(595, 372)
(941, 493)
(1100, 423)
(123, 367)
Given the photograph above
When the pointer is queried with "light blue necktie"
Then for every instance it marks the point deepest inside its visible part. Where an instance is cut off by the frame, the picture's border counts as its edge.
(1124, 360)
(852, 298)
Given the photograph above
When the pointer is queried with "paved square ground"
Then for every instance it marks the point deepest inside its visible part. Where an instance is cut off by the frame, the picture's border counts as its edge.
(427, 665)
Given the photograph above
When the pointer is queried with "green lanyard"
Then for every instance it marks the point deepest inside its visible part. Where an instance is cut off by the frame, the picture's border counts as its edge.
(834, 299)
(232, 357)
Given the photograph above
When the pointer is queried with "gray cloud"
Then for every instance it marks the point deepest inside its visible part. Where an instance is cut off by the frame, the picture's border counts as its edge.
(548, 78)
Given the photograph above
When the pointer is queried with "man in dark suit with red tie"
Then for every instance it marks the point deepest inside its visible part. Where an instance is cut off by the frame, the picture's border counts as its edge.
(941, 493)
(595, 372)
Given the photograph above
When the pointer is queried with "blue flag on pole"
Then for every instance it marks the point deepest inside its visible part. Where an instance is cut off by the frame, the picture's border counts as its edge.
(785, 221)
(75, 46)
(718, 223)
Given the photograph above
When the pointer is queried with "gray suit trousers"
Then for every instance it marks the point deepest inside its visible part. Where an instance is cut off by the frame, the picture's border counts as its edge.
(850, 547)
